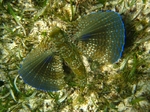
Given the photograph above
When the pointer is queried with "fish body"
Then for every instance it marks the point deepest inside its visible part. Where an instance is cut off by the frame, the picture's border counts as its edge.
(68, 52)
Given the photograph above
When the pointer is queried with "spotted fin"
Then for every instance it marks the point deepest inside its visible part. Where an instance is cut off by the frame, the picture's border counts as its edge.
(43, 70)
(101, 36)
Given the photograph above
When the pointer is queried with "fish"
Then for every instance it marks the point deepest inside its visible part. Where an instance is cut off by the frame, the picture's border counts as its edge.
(99, 36)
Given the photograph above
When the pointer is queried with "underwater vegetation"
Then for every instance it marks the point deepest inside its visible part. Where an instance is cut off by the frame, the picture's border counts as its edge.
(31, 35)
(101, 36)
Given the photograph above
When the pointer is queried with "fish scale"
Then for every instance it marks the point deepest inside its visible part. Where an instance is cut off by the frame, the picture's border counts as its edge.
(99, 36)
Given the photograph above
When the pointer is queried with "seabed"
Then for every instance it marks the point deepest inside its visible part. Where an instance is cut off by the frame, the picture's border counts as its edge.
(120, 87)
